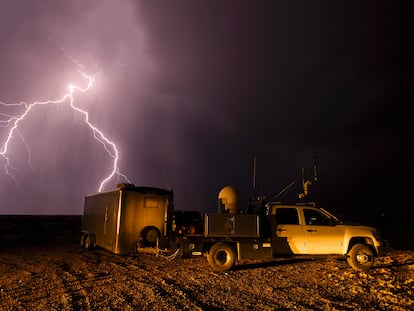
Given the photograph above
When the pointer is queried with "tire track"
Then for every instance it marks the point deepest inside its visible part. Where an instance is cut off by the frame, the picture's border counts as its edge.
(65, 278)
(78, 296)
(174, 297)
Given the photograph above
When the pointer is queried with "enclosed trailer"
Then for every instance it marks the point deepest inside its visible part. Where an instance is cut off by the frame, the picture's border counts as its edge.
(128, 219)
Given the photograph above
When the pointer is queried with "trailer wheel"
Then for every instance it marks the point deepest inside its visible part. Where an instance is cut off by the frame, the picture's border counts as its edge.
(361, 257)
(86, 243)
(221, 257)
(82, 240)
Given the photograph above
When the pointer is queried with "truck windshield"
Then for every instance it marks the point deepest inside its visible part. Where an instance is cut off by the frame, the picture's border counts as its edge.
(338, 221)
(319, 218)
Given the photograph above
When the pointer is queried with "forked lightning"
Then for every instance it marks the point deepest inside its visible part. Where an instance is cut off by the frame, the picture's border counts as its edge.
(12, 122)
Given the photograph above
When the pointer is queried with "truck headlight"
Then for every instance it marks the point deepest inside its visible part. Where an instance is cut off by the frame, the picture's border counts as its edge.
(377, 236)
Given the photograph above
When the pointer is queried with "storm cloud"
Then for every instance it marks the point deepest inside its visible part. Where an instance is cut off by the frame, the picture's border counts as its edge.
(191, 91)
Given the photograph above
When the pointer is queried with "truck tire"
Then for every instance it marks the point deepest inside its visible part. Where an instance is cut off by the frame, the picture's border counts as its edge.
(221, 257)
(182, 244)
(361, 257)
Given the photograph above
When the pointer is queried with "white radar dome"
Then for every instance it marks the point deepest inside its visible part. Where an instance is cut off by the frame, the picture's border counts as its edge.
(230, 200)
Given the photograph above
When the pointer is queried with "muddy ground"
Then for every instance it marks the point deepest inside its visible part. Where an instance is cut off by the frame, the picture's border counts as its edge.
(45, 274)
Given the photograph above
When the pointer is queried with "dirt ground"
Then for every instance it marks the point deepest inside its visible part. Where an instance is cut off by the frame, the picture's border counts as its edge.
(42, 267)
(61, 276)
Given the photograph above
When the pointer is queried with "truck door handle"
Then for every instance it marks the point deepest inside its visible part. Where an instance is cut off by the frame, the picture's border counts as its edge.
(280, 230)
(312, 230)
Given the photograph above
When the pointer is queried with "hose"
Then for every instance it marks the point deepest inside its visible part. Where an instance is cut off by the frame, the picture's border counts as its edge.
(164, 254)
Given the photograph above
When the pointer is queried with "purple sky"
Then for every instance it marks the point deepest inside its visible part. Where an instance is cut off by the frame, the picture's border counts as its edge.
(191, 91)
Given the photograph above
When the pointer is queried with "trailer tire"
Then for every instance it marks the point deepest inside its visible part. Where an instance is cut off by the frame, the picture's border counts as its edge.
(93, 240)
(221, 257)
(82, 240)
(86, 243)
(361, 257)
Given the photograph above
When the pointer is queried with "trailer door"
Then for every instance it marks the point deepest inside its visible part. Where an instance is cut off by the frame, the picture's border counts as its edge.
(110, 224)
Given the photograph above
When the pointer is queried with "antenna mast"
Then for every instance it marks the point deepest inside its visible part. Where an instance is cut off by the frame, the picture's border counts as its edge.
(254, 175)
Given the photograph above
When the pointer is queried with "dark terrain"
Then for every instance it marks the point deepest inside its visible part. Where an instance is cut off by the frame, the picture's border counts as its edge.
(42, 267)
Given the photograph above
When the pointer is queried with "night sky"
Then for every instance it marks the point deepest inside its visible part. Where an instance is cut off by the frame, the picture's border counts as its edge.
(192, 91)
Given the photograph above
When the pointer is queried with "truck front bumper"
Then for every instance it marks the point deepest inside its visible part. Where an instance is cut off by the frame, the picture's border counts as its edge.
(383, 250)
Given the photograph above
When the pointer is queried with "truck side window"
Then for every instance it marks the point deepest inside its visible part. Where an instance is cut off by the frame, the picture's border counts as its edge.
(287, 216)
(316, 218)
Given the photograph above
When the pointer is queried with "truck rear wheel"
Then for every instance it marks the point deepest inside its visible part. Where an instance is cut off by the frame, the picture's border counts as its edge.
(361, 257)
(221, 257)
(182, 244)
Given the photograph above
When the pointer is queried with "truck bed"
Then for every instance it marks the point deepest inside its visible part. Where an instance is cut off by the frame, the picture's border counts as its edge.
(232, 225)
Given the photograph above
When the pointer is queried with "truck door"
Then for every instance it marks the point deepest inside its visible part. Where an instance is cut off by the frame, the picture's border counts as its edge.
(288, 236)
(323, 236)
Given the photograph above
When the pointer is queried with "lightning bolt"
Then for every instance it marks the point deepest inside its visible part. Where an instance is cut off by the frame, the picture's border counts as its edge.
(12, 122)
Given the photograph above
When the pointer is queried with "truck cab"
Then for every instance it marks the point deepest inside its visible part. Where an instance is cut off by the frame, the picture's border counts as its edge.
(308, 230)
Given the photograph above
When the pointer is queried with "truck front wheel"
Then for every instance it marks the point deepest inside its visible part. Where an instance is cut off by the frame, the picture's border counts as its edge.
(361, 257)
(221, 257)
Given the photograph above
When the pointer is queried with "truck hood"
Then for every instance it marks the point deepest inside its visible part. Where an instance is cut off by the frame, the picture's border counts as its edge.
(357, 224)
(356, 229)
